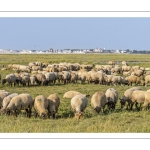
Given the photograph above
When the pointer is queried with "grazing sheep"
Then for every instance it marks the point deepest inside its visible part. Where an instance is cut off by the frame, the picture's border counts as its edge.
(138, 97)
(20, 102)
(124, 63)
(147, 80)
(78, 104)
(70, 94)
(10, 79)
(66, 76)
(147, 100)
(7, 100)
(127, 97)
(111, 63)
(40, 79)
(3, 94)
(54, 102)
(41, 106)
(32, 80)
(111, 98)
(135, 79)
(82, 78)
(98, 101)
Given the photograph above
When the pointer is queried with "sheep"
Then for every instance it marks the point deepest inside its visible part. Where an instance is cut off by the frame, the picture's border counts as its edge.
(66, 76)
(32, 80)
(3, 94)
(20, 102)
(124, 63)
(10, 78)
(70, 94)
(147, 79)
(25, 79)
(127, 97)
(41, 106)
(138, 97)
(74, 77)
(6, 101)
(54, 102)
(135, 79)
(147, 100)
(98, 101)
(111, 98)
(78, 104)
(40, 79)
(50, 77)
(111, 63)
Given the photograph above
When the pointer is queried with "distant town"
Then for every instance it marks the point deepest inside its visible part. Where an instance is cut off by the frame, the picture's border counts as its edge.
(73, 51)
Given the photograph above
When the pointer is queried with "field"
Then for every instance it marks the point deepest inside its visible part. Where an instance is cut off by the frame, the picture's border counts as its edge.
(118, 121)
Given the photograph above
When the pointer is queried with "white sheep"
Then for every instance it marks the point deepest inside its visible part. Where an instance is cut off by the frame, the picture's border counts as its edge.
(20, 102)
(41, 105)
(7, 100)
(70, 94)
(54, 102)
(78, 104)
(3, 94)
(111, 97)
(98, 101)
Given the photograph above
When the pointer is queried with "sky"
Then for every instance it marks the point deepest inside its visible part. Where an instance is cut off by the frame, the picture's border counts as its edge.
(43, 33)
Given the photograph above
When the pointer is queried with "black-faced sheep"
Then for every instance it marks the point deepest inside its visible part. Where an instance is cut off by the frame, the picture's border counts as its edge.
(10, 79)
(111, 98)
(127, 97)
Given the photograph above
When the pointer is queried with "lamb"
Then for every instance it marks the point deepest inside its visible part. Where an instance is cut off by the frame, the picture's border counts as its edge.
(78, 104)
(111, 98)
(54, 102)
(41, 106)
(70, 94)
(98, 101)
(127, 97)
(20, 102)
(6, 101)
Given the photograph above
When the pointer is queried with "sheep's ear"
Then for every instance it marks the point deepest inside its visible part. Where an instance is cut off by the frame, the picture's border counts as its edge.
(87, 95)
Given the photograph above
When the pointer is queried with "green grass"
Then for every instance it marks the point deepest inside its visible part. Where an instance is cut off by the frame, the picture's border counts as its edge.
(109, 122)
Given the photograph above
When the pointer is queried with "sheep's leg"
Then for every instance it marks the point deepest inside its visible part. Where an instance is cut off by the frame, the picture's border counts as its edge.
(136, 104)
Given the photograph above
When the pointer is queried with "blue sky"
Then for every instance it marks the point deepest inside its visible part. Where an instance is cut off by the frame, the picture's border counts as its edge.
(64, 32)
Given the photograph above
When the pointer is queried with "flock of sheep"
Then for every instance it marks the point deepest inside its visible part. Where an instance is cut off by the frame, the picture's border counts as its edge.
(14, 103)
(37, 73)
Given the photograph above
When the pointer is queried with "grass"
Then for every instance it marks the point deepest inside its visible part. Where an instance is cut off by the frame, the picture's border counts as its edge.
(109, 122)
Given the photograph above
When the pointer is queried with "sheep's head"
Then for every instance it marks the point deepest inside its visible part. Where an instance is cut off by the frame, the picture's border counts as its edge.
(97, 109)
(3, 81)
(43, 115)
(122, 102)
(79, 115)
(9, 112)
(111, 105)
